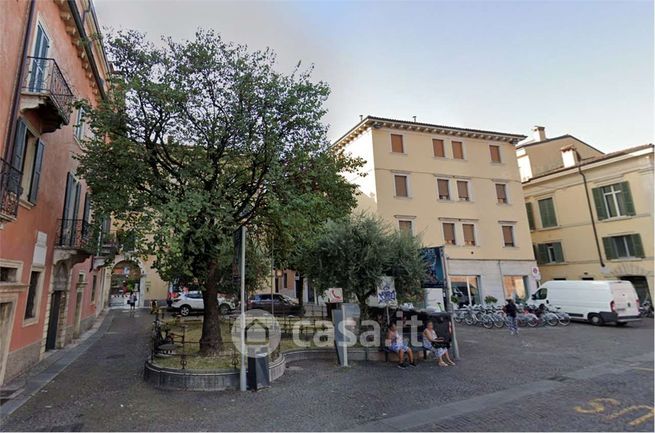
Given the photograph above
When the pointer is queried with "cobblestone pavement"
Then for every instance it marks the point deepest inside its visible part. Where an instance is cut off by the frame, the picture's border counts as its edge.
(547, 379)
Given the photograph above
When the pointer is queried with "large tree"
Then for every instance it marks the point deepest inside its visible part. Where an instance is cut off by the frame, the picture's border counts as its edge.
(354, 253)
(201, 137)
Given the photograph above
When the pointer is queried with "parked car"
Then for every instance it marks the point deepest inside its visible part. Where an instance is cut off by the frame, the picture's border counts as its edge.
(187, 303)
(598, 302)
(276, 303)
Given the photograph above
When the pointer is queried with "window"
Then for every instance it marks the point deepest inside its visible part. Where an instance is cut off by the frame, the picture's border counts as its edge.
(528, 209)
(501, 193)
(458, 150)
(8, 275)
(38, 68)
(28, 159)
(449, 233)
(94, 282)
(400, 182)
(495, 153)
(469, 234)
(78, 128)
(465, 287)
(438, 148)
(463, 190)
(397, 143)
(443, 190)
(547, 212)
(30, 307)
(514, 286)
(626, 246)
(405, 226)
(541, 294)
(550, 253)
(613, 201)
(508, 236)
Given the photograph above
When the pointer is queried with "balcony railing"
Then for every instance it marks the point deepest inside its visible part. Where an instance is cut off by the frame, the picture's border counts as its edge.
(45, 78)
(10, 189)
(75, 234)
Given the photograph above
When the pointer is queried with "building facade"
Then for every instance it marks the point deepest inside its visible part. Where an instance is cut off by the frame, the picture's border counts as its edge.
(455, 187)
(50, 289)
(590, 213)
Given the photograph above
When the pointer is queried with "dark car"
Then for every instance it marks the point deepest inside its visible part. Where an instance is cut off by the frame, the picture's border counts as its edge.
(276, 303)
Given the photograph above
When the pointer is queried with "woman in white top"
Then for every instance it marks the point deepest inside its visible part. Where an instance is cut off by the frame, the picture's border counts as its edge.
(432, 342)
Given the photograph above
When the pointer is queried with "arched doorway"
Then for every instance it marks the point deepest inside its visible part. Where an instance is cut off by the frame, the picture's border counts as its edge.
(126, 278)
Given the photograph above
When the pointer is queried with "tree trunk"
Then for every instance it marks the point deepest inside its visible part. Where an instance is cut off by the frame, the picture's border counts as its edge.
(211, 341)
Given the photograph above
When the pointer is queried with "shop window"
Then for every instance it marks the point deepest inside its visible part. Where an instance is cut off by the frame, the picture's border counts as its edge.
(405, 226)
(463, 190)
(515, 286)
(466, 289)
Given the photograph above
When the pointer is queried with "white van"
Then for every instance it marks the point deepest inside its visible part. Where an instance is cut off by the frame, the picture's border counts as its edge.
(598, 302)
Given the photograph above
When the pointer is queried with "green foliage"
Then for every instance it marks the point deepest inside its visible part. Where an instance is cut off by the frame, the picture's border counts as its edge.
(490, 299)
(354, 253)
(199, 138)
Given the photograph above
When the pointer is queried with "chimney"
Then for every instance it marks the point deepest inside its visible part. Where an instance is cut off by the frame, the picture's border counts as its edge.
(569, 156)
(539, 133)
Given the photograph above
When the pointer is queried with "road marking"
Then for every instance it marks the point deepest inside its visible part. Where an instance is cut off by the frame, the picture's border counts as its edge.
(596, 405)
(641, 419)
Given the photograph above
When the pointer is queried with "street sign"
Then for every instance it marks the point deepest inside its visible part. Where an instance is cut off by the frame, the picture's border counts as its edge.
(386, 292)
(334, 295)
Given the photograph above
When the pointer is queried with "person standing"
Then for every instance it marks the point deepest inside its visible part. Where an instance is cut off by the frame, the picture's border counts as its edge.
(510, 312)
(132, 302)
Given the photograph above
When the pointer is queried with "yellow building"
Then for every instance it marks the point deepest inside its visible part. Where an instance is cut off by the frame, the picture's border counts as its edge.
(590, 213)
(451, 186)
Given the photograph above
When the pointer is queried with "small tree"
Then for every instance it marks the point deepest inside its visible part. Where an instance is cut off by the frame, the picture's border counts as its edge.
(354, 253)
(490, 300)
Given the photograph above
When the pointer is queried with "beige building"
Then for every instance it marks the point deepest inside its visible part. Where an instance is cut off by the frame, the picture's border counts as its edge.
(455, 187)
(590, 213)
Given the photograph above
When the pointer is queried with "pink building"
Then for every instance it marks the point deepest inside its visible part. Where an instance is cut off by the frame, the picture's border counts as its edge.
(50, 290)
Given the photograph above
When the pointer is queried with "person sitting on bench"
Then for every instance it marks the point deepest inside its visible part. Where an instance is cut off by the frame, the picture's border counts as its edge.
(437, 345)
(396, 344)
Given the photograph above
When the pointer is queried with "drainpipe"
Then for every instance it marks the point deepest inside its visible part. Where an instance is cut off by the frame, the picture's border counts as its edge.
(13, 113)
(79, 23)
(591, 214)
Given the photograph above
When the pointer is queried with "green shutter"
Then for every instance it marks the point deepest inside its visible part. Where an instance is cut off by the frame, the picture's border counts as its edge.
(610, 251)
(637, 246)
(542, 253)
(36, 172)
(547, 212)
(601, 210)
(19, 146)
(528, 208)
(627, 199)
(559, 254)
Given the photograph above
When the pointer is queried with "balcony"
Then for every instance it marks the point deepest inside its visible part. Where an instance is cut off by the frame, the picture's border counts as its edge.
(10, 190)
(74, 241)
(46, 92)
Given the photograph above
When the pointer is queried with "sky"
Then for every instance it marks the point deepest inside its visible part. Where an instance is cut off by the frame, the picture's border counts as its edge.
(576, 67)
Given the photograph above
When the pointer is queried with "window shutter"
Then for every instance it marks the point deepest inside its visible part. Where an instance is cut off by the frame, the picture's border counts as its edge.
(437, 147)
(70, 182)
(87, 207)
(76, 203)
(547, 211)
(401, 186)
(458, 150)
(601, 210)
(397, 143)
(462, 189)
(528, 208)
(559, 254)
(495, 153)
(19, 146)
(610, 250)
(627, 198)
(36, 172)
(542, 251)
(638, 247)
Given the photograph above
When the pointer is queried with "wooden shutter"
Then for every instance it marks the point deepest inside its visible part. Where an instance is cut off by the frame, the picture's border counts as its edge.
(87, 207)
(501, 193)
(610, 249)
(36, 171)
(559, 254)
(542, 253)
(401, 185)
(405, 226)
(449, 233)
(627, 198)
(70, 185)
(601, 209)
(397, 143)
(458, 150)
(469, 234)
(442, 188)
(528, 208)
(76, 202)
(19, 146)
(508, 236)
(547, 211)
(437, 147)
(637, 246)
(463, 190)
(495, 153)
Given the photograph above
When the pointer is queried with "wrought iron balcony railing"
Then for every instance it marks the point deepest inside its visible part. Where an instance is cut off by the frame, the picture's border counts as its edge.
(75, 234)
(45, 78)
(10, 189)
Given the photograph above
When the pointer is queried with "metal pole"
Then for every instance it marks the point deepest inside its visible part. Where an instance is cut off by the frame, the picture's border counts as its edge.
(343, 333)
(449, 293)
(242, 371)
